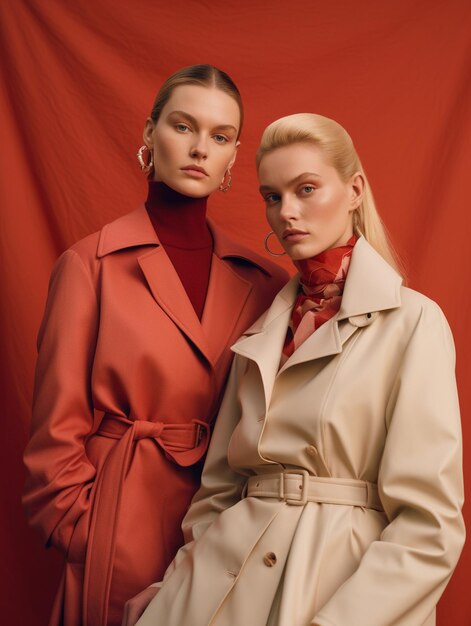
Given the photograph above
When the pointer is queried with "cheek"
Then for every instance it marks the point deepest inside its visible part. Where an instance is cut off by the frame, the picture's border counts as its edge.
(272, 219)
(330, 206)
(165, 148)
(222, 158)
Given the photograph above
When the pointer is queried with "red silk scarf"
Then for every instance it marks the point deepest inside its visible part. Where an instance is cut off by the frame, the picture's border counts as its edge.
(322, 281)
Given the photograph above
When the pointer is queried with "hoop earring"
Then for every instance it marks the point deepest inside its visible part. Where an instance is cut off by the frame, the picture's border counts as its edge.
(265, 243)
(225, 187)
(145, 167)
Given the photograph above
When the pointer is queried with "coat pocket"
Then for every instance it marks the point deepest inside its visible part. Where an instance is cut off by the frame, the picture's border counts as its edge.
(78, 542)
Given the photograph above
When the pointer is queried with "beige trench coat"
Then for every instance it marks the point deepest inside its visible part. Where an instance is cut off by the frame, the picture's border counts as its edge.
(371, 395)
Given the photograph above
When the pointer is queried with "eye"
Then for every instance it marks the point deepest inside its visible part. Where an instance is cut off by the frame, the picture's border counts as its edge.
(272, 198)
(182, 128)
(220, 139)
(307, 189)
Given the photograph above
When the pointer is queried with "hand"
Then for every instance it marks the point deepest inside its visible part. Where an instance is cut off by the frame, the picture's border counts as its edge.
(135, 607)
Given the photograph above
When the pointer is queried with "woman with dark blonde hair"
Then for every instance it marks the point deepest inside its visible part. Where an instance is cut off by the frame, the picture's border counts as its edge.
(332, 490)
(133, 357)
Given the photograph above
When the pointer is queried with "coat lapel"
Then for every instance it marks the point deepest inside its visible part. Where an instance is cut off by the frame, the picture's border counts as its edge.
(264, 340)
(228, 293)
(372, 285)
(169, 293)
(135, 229)
(226, 298)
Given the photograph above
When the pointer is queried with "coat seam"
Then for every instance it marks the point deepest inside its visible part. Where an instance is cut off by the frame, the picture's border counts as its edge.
(344, 356)
(86, 272)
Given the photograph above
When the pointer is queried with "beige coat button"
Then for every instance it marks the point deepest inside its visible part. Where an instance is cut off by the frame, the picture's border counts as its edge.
(269, 559)
(311, 450)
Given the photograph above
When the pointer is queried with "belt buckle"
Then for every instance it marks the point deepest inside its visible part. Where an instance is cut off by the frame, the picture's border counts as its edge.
(198, 435)
(200, 431)
(304, 474)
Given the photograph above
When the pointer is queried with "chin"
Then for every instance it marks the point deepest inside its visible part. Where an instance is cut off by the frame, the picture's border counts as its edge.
(306, 253)
(299, 257)
(192, 188)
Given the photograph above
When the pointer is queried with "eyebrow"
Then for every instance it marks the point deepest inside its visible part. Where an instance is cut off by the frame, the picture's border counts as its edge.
(194, 121)
(293, 181)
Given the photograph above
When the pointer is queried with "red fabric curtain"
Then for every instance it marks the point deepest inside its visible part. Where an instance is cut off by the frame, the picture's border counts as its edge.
(77, 81)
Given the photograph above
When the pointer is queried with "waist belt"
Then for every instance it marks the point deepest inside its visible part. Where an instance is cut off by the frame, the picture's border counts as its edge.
(297, 487)
(184, 444)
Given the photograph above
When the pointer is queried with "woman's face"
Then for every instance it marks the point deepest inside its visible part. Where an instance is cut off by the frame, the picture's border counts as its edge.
(308, 206)
(194, 141)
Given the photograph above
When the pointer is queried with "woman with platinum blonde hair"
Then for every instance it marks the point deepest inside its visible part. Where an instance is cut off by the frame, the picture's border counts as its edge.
(332, 490)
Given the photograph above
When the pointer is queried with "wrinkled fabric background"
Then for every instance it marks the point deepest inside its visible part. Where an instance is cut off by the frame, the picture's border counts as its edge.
(77, 80)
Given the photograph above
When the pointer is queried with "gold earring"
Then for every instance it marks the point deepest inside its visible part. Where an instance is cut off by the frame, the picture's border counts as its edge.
(225, 186)
(145, 167)
(265, 243)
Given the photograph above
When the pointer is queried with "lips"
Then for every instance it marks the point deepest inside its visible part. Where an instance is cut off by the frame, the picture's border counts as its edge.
(196, 169)
(294, 234)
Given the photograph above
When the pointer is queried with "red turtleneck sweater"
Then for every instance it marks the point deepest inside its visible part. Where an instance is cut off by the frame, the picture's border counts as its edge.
(180, 224)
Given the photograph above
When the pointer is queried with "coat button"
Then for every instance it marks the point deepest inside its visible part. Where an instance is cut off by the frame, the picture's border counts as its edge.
(269, 559)
(363, 320)
(311, 450)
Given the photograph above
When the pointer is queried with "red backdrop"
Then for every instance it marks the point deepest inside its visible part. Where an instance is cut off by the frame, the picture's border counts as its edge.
(76, 84)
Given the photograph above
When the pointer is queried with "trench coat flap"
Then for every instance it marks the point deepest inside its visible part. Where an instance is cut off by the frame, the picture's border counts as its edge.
(189, 581)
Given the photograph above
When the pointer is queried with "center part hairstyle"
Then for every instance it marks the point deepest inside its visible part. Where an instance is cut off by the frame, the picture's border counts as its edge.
(337, 145)
(202, 75)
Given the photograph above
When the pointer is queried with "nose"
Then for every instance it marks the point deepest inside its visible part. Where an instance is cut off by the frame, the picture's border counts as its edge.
(199, 148)
(288, 209)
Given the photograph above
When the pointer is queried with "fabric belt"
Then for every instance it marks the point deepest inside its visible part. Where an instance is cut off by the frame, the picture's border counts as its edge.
(297, 487)
(183, 444)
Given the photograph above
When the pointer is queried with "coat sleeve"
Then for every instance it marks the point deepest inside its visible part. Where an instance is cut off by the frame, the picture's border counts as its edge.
(59, 474)
(402, 575)
(221, 487)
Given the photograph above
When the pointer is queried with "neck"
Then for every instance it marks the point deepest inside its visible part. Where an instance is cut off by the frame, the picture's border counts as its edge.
(178, 220)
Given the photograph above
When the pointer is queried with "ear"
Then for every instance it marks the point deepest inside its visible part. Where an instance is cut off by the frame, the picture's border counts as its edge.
(232, 161)
(357, 186)
(147, 134)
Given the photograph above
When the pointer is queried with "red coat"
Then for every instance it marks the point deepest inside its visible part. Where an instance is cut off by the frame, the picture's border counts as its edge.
(127, 381)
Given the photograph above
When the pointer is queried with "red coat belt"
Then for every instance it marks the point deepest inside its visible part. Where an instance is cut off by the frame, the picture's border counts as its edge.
(184, 444)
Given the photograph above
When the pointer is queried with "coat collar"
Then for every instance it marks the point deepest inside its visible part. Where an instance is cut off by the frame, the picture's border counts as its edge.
(135, 229)
(227, 290)
(372, 285)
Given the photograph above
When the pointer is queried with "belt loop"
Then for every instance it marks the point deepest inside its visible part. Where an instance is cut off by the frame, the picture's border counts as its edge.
(371, 499)
(281, 490)
(245, 489)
